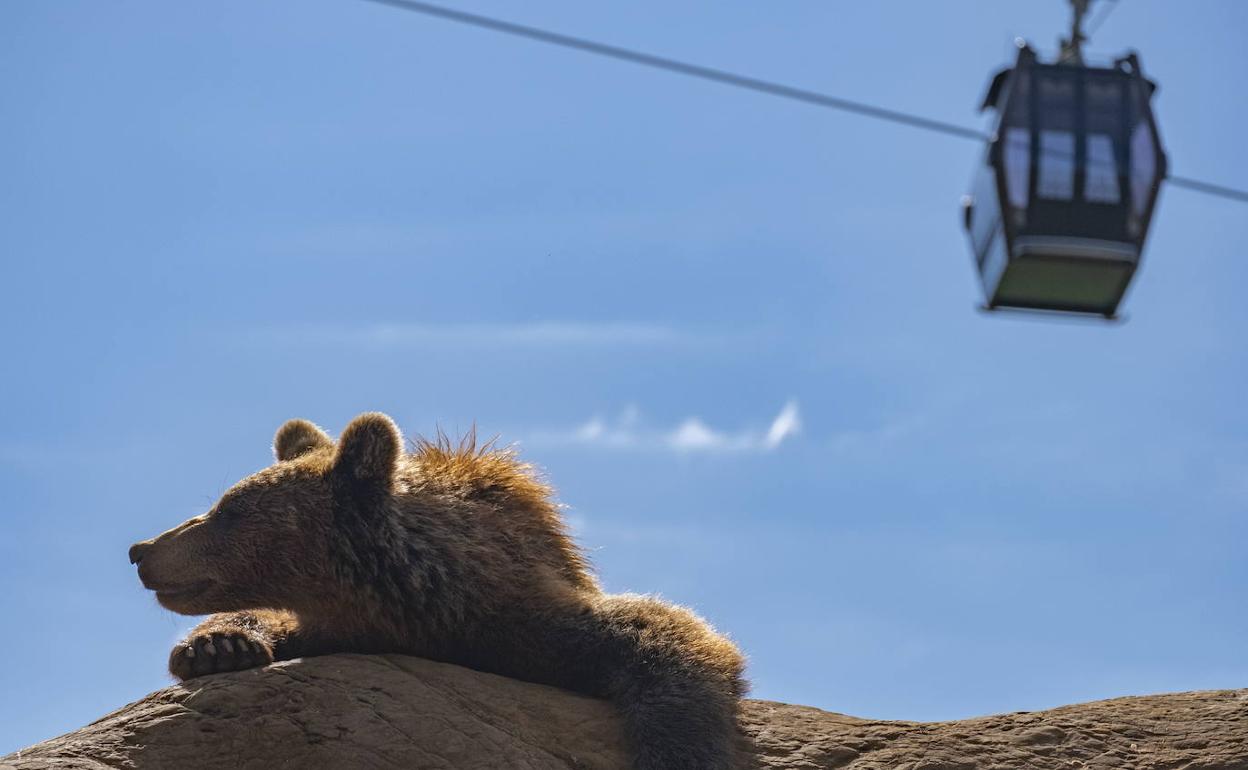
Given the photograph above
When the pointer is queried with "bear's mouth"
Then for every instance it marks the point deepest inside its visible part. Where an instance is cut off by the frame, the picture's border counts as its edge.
(164, 593)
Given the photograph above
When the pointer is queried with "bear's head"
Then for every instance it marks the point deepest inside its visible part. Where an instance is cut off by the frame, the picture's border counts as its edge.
(267, 542)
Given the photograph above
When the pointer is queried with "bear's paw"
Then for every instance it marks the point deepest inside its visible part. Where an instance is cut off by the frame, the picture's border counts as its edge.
(214, 653)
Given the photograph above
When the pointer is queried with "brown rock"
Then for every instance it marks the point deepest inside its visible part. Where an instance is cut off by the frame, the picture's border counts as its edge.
(390, 711)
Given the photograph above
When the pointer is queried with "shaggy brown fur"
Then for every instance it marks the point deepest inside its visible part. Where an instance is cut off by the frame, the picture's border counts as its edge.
(449, 552)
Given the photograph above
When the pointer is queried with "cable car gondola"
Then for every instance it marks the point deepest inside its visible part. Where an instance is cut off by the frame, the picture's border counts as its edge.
(1062, 201)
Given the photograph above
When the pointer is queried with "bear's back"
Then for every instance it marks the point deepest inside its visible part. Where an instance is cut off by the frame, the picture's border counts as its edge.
(495, 507)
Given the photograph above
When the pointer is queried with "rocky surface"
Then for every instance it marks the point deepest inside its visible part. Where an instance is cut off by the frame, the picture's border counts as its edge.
(389, 711)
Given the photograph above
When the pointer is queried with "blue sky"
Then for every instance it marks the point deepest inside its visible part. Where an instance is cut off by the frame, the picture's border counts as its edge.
(218, 216)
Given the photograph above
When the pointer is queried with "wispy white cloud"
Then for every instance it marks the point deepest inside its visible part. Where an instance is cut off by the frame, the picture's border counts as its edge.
(788, 423)
(390, 336)
(688, 436)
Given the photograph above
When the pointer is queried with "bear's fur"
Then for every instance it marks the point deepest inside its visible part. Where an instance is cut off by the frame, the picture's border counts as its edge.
(448, 552)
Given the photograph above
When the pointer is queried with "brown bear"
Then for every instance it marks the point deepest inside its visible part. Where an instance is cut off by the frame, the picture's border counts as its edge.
(448, 552)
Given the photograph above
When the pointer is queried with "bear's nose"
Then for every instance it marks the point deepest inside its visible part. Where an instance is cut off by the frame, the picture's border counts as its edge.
(137, 550)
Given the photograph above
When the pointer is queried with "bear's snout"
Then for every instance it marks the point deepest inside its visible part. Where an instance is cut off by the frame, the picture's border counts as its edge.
(170, 565)
(138, 549)
(173, 563)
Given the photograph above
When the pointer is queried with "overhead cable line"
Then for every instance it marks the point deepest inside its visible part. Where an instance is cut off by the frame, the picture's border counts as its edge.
(1109, 6)
(737, 81)
(1209, 188)
(683, 68)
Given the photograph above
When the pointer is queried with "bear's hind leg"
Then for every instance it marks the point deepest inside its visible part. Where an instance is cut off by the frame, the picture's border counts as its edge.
(675, 722)
(675, 680)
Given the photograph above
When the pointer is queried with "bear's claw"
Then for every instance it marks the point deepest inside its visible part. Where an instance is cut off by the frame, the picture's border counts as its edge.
(214, 653)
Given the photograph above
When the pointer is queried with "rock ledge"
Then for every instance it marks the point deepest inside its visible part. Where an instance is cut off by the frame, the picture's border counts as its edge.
(390, 711)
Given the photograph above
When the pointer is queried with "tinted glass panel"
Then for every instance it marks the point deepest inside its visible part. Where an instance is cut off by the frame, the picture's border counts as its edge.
(1018, 106)
(1057, 101)
(1101, 183)
(1017, 158)
(985, 216)
(1103, 101)
(1056, 177)
(1143, 168)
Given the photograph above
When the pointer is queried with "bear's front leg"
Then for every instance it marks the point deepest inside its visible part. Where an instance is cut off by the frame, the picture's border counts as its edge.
(232, 641)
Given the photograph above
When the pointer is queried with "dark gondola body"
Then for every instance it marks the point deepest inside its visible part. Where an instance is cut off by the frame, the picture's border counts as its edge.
(1063, 199)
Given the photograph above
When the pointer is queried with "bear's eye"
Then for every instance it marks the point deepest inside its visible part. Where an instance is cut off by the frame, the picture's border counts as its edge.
(228, 511)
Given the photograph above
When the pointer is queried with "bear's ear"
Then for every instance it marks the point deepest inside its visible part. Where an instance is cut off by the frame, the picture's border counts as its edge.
(369, 448)
(297, 437)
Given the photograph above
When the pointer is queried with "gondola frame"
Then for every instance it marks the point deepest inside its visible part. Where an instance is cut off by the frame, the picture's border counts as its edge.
(1021, 267)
